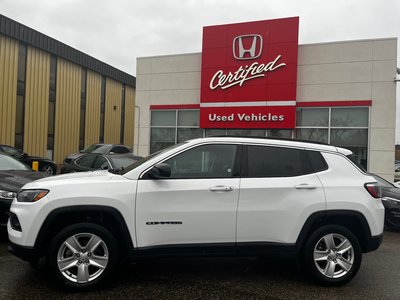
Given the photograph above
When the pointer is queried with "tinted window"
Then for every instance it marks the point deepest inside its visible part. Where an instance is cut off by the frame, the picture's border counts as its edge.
(266, 161)
(317, 161)
(86, 161)
(208, 161)
(11, 151)
(119, 149)
(100, 160)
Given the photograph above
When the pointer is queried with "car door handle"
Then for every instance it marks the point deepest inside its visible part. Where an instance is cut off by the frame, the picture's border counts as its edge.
(305, 186)
(221, 188)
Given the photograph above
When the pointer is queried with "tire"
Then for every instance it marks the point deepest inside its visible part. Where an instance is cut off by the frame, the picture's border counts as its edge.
(49, 169)
(80, 268)
(332, 255)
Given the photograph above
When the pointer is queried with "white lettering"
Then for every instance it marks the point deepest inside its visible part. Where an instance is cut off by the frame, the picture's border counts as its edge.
(255, 70)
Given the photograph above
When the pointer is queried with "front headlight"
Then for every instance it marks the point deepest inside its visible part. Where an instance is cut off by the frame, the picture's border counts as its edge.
(7, 195)
(31, 195)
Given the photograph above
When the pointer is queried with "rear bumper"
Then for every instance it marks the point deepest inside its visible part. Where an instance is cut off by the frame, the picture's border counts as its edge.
(373, 243)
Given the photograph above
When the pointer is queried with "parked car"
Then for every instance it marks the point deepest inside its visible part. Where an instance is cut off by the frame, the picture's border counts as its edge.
(391, 202)
(397, 172)
(99, 148)
(45, 165)
(13, 175)
(97, 161)
(209, 196)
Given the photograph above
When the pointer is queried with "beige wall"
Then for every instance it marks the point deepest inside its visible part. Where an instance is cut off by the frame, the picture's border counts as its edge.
(68, 96)
(339, 71)
(8, 89)
(36, 102)
(93, 98)
(112, 118)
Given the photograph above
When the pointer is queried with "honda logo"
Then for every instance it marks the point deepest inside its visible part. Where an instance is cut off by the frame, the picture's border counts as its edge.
(253, 44)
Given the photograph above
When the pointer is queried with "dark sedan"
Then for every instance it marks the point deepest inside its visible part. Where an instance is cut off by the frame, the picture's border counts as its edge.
(391, 201)
(99, 148)
(13, 175)
(98, 161)
(45, 165)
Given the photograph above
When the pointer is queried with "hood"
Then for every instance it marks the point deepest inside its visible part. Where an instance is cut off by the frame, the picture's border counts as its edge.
(71, 179)
(13, 180)
(72, 156)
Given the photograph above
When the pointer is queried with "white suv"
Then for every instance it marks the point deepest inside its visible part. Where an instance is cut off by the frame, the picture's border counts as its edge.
(211, 196)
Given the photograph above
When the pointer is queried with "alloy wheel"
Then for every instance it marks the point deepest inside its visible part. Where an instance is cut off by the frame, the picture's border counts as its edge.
(82, 258)
(333, 255)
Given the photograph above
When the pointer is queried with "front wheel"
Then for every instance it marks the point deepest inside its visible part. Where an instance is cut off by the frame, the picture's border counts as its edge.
(83, 255)
(48, 169)
(332, 255)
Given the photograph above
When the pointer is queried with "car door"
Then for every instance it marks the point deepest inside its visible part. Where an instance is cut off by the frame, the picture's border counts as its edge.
(278, 191)
(196, 205)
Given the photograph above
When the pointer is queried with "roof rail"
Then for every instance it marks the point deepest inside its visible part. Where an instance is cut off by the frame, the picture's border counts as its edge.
(272, 138)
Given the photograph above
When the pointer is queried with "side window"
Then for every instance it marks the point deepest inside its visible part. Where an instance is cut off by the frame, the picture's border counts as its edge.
(100, 160)
(265, 161)
(208, 161)
(119, 149)
(86, 161)
(317, 161)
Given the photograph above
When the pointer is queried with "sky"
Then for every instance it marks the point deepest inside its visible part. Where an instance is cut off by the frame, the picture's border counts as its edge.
(119, 31)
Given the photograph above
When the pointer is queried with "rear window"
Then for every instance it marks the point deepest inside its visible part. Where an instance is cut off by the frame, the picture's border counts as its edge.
(266, 161)
(317, 161)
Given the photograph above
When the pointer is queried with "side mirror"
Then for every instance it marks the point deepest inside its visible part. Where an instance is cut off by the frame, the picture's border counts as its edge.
(159, 171)
(104, 166)
(397, 170)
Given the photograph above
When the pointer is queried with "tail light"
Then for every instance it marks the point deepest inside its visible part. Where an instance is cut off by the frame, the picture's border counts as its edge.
(373, 189)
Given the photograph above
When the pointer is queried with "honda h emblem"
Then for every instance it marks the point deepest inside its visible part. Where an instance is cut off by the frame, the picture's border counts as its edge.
(247, 46)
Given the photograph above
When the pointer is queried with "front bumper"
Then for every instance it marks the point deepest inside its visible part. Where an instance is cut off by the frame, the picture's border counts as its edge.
(26, 253)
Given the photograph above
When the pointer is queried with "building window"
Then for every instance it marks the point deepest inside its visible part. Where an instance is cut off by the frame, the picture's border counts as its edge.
(345, 127)
(102, 108)
(82, 122)
(52, 106)
(20, 105)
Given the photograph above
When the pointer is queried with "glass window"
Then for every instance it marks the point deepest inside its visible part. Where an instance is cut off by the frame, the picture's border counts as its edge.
(188, 118)
(246, 132)
(215, 132)
(349, 137)
(266, 161)
(99, 162)
(119, 149)
(185, 134)
(349, 117)
(316, 117)
(279, 133)
(12, 152)
(317, 161)
(86, 161)
(208, 161)
(312, 134)
(161, 138)
(163, 118)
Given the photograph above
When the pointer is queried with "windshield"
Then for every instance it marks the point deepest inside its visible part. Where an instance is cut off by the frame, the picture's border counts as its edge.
(143, 160)
(8, 163)
(122, 162)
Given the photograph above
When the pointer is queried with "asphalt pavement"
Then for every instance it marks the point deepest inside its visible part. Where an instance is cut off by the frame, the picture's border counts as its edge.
(217, 278)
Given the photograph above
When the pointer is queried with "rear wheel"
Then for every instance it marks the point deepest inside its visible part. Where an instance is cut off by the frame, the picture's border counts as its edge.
(332, 255)
(83, 255)
(49, 169)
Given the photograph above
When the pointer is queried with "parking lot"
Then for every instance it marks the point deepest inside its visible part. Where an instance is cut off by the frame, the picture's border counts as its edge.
(211, 279)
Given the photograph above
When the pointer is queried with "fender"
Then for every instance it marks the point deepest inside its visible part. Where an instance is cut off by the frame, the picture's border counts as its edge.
(354, 220)
(91, 212)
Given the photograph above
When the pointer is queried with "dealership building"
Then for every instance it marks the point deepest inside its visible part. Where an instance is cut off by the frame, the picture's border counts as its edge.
(56, 100)
(253, 79)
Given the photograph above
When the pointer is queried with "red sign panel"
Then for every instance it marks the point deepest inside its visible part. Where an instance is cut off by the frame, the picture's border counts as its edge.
(249, 74)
